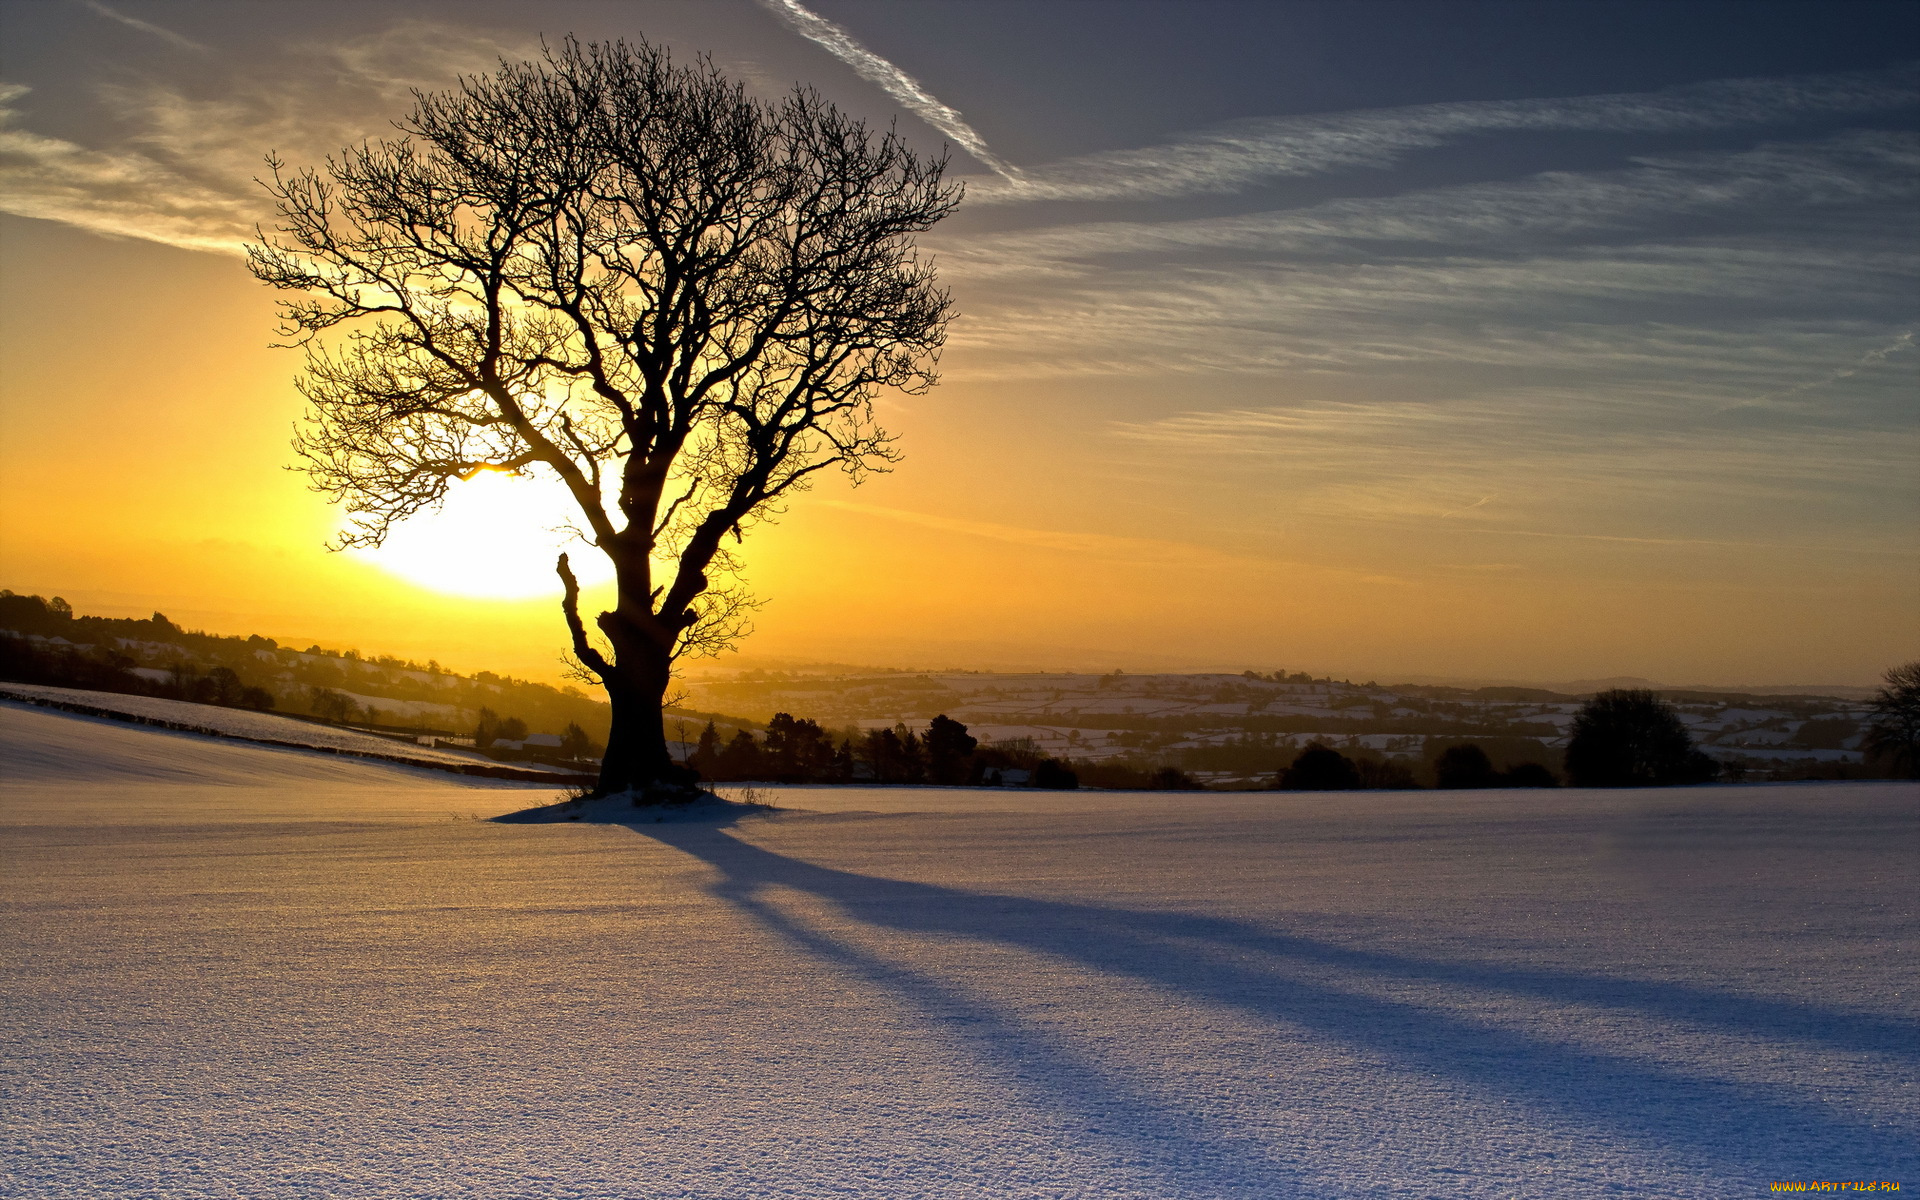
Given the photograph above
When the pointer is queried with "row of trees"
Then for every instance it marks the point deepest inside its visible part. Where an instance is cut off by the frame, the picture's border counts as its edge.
(1621, 738)
(98, 670)
(1321, 768)
(797, 750)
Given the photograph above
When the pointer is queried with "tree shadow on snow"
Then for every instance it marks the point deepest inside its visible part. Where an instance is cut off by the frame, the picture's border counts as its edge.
(1734, 1128)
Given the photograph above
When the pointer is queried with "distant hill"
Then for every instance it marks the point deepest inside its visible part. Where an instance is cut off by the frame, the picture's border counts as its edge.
(45, 641)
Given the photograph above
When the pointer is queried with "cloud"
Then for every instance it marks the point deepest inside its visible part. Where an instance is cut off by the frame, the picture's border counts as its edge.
(165, 35)
(1154, 553)
(123, 193)
(891, 79)
(1511, 216)
(1621, 466)
(1228, 157)
(181, 171)
(1733, 273)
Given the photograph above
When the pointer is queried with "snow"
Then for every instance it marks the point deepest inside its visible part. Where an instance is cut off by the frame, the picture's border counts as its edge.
(106, 762)
(244, 723)
(231, 977)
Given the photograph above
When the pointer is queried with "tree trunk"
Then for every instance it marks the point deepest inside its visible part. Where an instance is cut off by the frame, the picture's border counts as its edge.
(637, 758)
(636, 680)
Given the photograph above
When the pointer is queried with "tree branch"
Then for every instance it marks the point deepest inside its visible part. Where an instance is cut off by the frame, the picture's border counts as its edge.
(583, 649)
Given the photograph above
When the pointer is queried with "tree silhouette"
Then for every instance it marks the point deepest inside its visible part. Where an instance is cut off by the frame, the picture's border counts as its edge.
(1893, 733)
(1629, 737)
(742, 758)
(949, 750)
(1320, 768)
(1464, 766)
(1054, 774)
(1528, 775)
(797, 751)
(627, 274)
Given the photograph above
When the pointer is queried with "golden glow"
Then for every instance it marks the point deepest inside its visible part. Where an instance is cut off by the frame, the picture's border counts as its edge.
(495, 537)
(1017, 534)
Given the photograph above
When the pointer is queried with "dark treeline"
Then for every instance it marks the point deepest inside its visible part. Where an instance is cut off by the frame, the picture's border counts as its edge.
(1619, 738)
(1321, 768)
(797, 750)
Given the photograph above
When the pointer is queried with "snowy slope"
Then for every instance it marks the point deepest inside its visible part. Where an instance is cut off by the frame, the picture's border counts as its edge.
(245, 724)
(60, 767)
(945, 993)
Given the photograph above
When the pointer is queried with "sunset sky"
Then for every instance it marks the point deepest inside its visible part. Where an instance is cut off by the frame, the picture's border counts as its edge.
(1387, 340)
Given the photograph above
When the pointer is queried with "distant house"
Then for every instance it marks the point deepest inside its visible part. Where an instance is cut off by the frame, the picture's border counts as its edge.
(1006, 777)
(540, 741)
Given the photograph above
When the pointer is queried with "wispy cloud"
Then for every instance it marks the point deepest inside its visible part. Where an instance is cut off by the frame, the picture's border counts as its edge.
(165, 35)
(1730, 274)
(1620, 467)
(1228, 157)
(124, 193)
(1511, 216)
(891, 79)
(1873, 357)
(1155, 553)
(181, 172)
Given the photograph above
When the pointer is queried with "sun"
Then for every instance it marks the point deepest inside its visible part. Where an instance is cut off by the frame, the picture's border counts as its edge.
(495, 537)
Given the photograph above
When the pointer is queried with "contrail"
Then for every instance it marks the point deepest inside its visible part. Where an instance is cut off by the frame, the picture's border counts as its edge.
(143, 26)
(895, 82)
(1903, 342)
(1456, 512)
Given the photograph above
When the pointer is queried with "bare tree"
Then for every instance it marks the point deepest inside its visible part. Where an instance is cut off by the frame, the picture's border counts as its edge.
(1893, 734)
(677, 298)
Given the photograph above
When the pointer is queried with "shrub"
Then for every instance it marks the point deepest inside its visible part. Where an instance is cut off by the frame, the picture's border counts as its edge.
(1172, 779)
(1529, 775)
(1464, 767)
(1383, 774)
(1052, 773)
(1320, 768)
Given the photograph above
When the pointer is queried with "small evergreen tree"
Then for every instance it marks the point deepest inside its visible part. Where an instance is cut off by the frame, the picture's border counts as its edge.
(913, 756)
(575, 743)
(949, 750)
(706, 753)
(742, 758)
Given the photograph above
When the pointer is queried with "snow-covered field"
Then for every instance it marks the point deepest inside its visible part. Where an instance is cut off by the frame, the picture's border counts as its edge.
(234, 971)
(251, 726)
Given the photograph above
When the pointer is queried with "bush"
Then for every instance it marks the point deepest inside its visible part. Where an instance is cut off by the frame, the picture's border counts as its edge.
(1378, 773)
(1629, 737)
(1464, 767)
(1172, 779)
(1320, 768)
(1052, 773)
(1529, 775)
